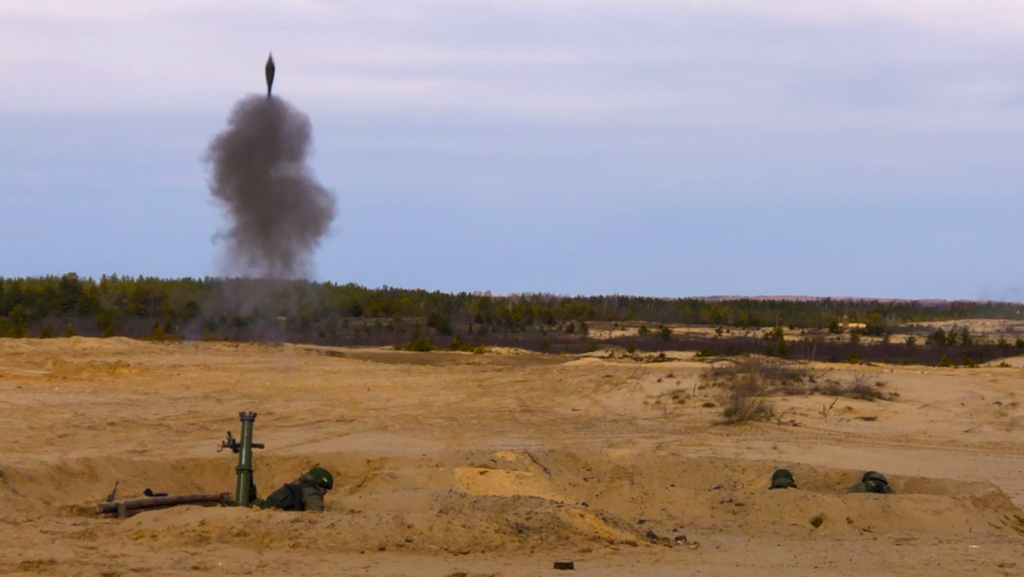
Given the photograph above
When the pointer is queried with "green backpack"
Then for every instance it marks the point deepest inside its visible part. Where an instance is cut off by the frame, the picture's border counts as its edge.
(287, 498)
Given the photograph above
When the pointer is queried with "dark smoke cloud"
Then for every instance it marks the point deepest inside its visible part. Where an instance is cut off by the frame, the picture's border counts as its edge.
(277, 211)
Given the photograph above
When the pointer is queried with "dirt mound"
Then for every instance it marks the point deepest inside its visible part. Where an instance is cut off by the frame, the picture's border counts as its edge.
(512, 500)
(427, 522)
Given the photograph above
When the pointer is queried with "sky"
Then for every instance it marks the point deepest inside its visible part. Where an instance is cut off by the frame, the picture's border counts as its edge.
(675, 148)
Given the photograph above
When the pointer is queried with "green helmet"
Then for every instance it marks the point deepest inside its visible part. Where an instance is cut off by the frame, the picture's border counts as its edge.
(321, 477)
(783, 479)
(874, 476)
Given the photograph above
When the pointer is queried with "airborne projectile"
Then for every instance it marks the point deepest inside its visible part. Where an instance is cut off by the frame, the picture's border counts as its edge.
(270, 74)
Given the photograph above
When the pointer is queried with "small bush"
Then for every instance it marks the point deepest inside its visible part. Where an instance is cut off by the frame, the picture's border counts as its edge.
(744, 401)
(793, 388)
(859, 387)
(419, 344)
(706, 352)
(771, 370)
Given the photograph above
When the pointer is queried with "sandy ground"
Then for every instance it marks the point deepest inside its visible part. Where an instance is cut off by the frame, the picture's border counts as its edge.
(450, 463)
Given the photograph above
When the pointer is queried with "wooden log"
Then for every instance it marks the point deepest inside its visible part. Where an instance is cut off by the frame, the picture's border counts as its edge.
(157, 502)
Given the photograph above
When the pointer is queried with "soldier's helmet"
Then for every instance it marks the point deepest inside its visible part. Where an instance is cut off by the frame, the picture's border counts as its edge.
(782, 479)
(321, 477)
(874, 476)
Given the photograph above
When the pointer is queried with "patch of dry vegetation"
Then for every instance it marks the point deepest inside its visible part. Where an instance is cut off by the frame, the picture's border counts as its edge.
(745, 400)
(747, 383)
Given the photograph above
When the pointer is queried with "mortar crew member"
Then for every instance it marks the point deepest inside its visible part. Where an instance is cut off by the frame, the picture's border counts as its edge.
(305, 494)
(782, 479)
(872, 482)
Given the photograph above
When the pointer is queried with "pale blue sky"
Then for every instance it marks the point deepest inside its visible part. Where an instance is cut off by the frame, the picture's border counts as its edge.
(669, 148)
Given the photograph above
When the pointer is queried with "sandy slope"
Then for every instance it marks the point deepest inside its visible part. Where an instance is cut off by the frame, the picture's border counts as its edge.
(488, 464)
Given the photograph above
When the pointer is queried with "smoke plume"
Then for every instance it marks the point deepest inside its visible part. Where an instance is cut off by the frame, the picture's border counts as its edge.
(277, 212)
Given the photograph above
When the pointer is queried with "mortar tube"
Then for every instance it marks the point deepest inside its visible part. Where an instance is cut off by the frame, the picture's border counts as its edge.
(244, 468)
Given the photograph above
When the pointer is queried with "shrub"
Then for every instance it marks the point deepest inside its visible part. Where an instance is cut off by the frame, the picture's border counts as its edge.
(455, 344)
(744, 400)
(420, 344)
(706, 352)
(858, 388)
(164, 332)
(773, 371)
(631, 347)
(945, 361)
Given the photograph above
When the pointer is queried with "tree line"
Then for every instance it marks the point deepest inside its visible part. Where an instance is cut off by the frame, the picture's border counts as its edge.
(349, 314)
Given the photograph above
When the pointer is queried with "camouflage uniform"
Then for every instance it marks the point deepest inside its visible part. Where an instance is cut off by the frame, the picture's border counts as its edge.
(302, 495)
(872, 482)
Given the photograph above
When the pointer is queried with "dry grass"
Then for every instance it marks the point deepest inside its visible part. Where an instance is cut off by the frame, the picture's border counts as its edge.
(747, 383)
(860, 387)
(744, 400)
(765, 368)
